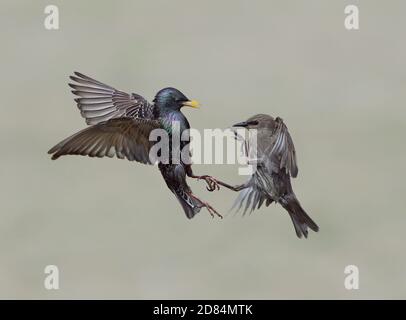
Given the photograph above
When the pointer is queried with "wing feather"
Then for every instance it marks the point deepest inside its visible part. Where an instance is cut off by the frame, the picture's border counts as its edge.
(124, 137)
(99, 102)
(282, 154)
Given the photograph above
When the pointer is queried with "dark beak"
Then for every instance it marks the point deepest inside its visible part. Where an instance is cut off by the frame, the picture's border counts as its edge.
(241, 124)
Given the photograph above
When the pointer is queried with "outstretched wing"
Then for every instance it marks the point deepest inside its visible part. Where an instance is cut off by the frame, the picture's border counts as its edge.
(99, 102)
(124, 137)
(280, 153)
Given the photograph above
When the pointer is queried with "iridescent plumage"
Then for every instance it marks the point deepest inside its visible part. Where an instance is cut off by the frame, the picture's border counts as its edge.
(120, 125)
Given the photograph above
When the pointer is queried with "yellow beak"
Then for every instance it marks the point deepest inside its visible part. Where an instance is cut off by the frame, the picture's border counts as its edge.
(191, 104)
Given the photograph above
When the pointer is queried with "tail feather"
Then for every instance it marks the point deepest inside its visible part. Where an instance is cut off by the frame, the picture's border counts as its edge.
(301, 220)
(175, 178)
(251, 198)
(189, 205)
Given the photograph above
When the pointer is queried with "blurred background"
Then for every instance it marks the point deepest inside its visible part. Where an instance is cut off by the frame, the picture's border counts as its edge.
(113, 228)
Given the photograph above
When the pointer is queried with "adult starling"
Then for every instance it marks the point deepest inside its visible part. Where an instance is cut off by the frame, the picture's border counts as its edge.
(275, 158)
(120, 125)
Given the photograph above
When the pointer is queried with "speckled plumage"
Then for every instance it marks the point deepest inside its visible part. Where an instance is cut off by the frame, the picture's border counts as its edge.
(275, 157)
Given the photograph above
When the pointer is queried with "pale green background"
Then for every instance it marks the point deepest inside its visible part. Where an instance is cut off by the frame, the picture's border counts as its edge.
(113, 228)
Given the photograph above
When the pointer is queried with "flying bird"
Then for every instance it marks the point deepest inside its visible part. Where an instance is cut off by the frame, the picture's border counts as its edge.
(120, 125)
(275, 160)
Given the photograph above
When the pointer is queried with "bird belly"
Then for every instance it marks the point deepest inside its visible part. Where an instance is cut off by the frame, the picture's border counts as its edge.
(266, 184)
(175, 178)
(174, 174)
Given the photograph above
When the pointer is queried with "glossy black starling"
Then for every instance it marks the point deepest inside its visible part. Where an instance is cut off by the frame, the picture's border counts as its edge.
(275, 159)
(120, 125)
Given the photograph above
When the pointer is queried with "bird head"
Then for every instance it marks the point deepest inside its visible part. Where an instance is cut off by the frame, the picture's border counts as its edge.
(259, 121)
(173, 99)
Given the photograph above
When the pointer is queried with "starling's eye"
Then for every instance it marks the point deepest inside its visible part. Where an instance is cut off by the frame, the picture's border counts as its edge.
(253, 123)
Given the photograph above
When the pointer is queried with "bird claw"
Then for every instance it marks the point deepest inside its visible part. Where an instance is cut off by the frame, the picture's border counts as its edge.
(212, 183)
(211, 210)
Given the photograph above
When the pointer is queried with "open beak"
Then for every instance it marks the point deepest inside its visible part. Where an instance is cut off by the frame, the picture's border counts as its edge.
(241, 124)
(191, 104)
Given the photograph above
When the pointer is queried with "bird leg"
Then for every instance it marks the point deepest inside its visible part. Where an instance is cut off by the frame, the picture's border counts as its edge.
(212, 183)
(209, 208)
(234, 188)
(217, 183)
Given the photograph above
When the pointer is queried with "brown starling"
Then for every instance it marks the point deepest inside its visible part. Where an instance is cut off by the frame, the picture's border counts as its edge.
(275, 160)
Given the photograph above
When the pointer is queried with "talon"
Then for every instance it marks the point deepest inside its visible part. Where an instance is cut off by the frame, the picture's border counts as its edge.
(212, 183)
(209, 208)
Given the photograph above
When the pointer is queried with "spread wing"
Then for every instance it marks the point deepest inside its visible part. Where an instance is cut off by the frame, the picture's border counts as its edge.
(99, 102)
(121, 123)
(124, 137)
(280, 152)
